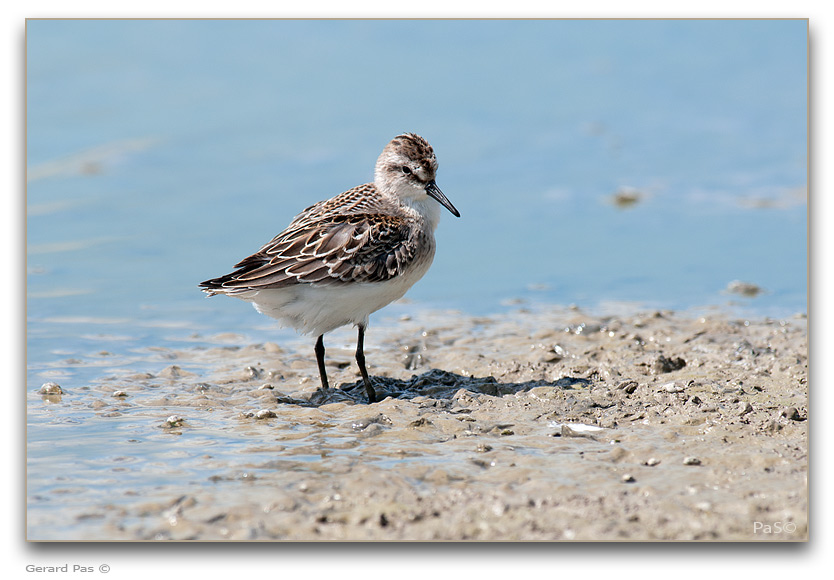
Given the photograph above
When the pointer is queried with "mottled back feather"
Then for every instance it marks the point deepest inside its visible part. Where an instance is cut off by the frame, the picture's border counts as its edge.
(357, 236)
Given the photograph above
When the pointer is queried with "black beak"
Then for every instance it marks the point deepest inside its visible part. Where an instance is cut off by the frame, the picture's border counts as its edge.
(433, 191)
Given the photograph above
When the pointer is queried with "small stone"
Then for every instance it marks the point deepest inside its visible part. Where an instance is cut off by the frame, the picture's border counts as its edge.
(743, 288)
(628, 478)
(174, 421)
(567, 431)
(120, 394)
(265, 387)
(691, 461)
(744, 407)
(265, 414)
(789, 413)
(364, 423)
(667, 365)
(626, 197)
(372, 430)
(51, 389)
(672, 388)
(544, 393)
(629, 386)
(652, 461)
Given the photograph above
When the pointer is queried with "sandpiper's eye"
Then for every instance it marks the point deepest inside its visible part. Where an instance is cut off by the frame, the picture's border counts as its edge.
(406, 170)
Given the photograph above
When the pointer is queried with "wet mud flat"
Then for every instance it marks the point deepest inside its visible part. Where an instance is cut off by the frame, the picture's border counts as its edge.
(553, 424)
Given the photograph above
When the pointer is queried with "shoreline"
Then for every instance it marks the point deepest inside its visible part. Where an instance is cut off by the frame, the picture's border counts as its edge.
(552, 424)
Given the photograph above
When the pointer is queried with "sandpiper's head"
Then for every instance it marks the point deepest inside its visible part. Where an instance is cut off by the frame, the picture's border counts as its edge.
(407, 168)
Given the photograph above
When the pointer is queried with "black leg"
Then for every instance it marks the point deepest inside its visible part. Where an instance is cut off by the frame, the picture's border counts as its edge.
(360, 360)
(320, 359)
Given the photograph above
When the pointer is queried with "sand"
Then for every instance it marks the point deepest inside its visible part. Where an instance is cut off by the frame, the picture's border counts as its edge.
(538, 425)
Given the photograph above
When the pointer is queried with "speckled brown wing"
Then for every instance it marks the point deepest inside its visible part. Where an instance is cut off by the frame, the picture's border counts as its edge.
(362, 199)
(335, 250)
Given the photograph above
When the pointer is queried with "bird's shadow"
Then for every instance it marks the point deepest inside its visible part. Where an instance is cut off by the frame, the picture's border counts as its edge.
(434, 384)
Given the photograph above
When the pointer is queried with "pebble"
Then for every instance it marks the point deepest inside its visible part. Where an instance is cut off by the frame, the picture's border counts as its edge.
(545, 393)
(691, 461)
(364, 423)
(744, 288)
(652, 461)
(672, 388)
(372, 430)
(629, 386)
(51, 389)
(265, 414)
(119, 394)
(667, 365)
(744, 407)
(789, 413)
(576, 430)
(628, 478)
(174, 421)
(626, 197)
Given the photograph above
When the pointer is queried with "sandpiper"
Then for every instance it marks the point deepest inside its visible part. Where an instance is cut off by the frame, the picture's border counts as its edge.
(346, 257)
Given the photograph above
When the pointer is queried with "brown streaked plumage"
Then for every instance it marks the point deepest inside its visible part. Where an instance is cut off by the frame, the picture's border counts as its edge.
(344, 258)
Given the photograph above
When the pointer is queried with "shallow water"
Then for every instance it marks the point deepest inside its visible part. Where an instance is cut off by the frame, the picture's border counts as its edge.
(159, 153)
(240, 443)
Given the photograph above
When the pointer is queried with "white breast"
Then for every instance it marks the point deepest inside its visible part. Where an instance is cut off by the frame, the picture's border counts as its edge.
(315, 310)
